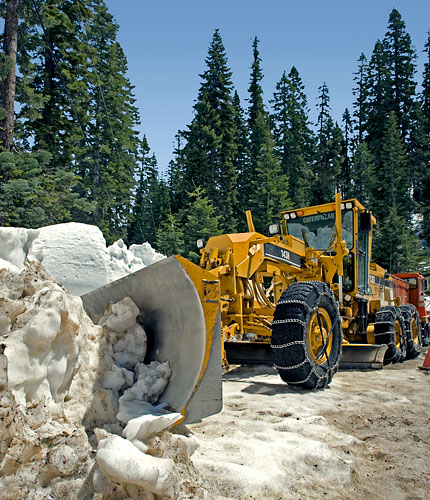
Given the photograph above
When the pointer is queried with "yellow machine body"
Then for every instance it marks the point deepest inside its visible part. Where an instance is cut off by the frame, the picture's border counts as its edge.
(254, 271)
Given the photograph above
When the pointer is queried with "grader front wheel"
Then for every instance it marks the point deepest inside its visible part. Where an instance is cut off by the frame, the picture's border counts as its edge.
(307, 335)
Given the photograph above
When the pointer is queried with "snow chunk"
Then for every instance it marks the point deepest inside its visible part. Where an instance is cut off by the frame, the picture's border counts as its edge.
(76, 255)
(120, 460)
(15, 246)
(146, 426)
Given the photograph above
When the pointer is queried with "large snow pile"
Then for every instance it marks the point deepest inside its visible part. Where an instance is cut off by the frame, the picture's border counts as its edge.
(76, 255)
(77, 418)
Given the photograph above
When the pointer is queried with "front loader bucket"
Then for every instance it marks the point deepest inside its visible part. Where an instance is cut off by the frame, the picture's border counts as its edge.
(179, 306)
(363, 356)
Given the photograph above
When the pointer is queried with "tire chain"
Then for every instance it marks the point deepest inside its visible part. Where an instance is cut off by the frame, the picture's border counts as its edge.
(321, 380)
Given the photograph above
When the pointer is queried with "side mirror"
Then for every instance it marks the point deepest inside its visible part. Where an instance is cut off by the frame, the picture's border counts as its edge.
(365, 221)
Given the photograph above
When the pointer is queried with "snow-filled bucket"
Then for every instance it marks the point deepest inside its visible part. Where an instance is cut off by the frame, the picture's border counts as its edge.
(179, 310)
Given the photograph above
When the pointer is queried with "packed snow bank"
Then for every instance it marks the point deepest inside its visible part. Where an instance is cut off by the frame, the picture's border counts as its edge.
(76, 255)
(64, 381)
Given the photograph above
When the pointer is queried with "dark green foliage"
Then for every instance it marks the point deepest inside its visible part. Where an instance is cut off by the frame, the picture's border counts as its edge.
(401, 65)
(151, 203)
(293, 137)
(200, 221)
(395, 246)
(76, 102)
(170, 236)
(363, 174)
(241, 162)
(179, 232)
(361, 92)
(32, 194)
(329, 152)
(425, 96)
(390, 187)
(210, 152)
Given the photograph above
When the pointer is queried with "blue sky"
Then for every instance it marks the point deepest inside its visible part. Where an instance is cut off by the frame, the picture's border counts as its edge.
(166, 43)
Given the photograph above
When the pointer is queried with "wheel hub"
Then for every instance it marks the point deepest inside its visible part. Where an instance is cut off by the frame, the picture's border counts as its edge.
(319, 327)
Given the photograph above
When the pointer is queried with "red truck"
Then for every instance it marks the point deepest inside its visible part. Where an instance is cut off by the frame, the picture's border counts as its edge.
(410, 288)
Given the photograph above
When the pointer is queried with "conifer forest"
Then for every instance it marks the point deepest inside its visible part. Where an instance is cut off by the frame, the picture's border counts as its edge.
(70, 149)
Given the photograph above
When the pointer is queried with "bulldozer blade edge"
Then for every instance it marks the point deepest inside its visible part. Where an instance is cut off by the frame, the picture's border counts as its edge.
(363, 356)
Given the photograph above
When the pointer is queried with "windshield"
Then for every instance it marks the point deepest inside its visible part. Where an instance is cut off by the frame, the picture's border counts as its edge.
(319, 229)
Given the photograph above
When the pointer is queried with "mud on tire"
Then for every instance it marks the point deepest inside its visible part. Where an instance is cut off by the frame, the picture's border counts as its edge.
(413, 330)
(390, 329)
(296, 351)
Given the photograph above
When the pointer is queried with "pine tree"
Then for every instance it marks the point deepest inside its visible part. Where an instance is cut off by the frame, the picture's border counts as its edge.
(423, 169)
(363, 173)
(151, 204)
(201, 221)
(361, 92)
(76, 102)
(391, 185)
(328, 165)
(395, 246)
(176, 176)
(401, 56)
(31, 196)
(241, 162)
(170, 236)
(294, 140)
(210, 151)
(10, 43)
(425, 96)
(267, 189)
(344, 181)
(111, 163)
(379, 102)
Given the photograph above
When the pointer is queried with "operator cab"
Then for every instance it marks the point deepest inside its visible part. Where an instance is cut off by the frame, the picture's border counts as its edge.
(316, 227)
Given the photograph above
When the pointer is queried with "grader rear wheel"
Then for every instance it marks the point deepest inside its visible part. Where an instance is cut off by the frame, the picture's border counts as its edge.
(307, 335)
(413, 330)
(390, 329)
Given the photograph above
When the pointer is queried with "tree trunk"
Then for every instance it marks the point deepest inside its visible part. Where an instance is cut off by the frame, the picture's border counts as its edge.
(8, 85)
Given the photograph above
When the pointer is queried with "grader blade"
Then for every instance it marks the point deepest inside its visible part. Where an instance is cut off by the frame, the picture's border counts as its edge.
(179, 310)
(363, 356)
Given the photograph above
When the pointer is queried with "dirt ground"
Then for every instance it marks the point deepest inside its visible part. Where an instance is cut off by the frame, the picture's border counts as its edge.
(365, 437)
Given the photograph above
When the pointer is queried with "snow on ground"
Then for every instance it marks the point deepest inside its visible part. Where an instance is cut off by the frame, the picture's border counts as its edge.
(72, 395)
(366, 436)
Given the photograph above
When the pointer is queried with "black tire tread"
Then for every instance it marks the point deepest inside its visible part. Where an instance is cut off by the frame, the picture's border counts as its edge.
(409, 311)
(385, 318)
(290, 351)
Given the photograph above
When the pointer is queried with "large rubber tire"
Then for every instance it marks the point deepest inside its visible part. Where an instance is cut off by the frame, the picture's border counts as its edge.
(413, 330)
(295, 346)
(426, 334)
(390, 330)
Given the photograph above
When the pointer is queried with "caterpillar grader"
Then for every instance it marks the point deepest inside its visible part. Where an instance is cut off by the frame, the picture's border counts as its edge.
(308, 297)
(305, 298)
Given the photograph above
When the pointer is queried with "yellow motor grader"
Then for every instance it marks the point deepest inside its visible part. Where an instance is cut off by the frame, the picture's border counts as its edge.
(307, 297)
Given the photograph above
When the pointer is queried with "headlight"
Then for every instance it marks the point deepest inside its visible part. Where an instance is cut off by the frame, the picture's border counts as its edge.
(200, 243)
(286, 216)
(349, 205)
(274, 229)
(293, 215)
